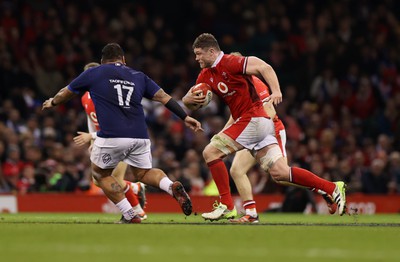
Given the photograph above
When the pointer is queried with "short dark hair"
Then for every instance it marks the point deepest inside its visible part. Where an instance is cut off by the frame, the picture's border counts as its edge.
(206, 40)
(112, 51)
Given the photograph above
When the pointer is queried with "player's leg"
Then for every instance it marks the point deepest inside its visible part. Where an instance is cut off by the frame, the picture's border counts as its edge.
(138, 188)
(280, 134)
(113, 190)
(241, 164)
(140, 160)
(220, 146)
(105, 156)
(245, 132)
(271, 160)
(157, 178)
(119, 174)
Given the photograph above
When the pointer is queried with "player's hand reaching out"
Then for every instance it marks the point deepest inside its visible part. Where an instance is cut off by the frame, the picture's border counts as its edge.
(47, 103)
(193, 124)
(82, 138)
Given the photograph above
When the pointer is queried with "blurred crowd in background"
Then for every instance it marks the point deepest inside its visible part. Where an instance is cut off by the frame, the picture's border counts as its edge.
(338, 63)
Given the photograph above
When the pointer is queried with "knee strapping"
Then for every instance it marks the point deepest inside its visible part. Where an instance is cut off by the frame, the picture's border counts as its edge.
(272, 155)
(224, 145)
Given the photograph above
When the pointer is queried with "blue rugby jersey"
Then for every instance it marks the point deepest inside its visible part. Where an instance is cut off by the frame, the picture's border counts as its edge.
(117, 92)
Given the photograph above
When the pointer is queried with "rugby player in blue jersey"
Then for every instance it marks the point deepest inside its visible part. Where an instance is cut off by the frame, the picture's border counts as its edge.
(117, 91)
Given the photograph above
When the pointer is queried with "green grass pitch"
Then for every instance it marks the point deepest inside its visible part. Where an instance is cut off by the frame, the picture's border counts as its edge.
(174, 237)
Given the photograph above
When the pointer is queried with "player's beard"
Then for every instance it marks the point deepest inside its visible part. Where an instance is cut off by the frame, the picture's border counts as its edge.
(205, 64)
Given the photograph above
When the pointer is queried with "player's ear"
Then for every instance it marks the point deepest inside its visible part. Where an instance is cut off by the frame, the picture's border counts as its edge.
(123, 60)
(213, 51)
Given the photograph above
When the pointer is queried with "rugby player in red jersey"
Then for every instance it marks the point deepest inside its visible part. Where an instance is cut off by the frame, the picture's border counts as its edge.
(243, 159)
(230, 78)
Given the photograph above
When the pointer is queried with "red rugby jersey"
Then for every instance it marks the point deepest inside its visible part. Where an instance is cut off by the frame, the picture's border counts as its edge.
(87, 103)
(228, 80)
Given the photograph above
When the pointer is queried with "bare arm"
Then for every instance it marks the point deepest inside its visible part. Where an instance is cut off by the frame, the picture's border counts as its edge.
(175, 108)
(60, 98)
(258, 67)
(161, 96)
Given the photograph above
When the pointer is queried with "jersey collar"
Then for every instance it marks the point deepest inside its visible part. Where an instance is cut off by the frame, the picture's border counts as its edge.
(219, 57)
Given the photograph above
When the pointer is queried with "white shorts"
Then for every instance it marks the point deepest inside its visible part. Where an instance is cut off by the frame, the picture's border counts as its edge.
(252, 133)
(108, 152)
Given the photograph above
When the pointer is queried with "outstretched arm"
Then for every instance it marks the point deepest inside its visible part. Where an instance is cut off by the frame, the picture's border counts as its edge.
(257, 67)
(60, 98)
(175, 108)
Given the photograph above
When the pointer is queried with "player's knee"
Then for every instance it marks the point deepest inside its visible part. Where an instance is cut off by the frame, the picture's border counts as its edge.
(235, 171)
(219, 147)
(271, 163)
(206, 152)
(280, 171)
(210, 153)
(276, 175)
(139, 174)
(98, 174)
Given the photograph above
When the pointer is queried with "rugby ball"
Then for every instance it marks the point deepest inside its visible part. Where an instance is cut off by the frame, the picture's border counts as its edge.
(205, 91)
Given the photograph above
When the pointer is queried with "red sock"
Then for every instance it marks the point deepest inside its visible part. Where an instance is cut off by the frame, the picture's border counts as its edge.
(132, 198)
(305, 178)
(249, 204)
(221, 178)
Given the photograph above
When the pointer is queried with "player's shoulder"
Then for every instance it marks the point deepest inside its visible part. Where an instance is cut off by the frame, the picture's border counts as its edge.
(133, 71)
(228, 59)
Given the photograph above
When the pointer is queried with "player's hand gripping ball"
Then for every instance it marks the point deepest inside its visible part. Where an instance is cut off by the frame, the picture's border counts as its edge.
(205, 91)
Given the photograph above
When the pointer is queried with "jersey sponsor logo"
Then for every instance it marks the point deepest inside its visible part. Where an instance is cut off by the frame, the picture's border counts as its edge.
(225, 75)
(222, 87)
(106, 158)
(230, 93)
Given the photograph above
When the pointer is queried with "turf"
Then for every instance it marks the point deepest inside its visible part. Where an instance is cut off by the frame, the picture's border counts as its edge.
(174, 237)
